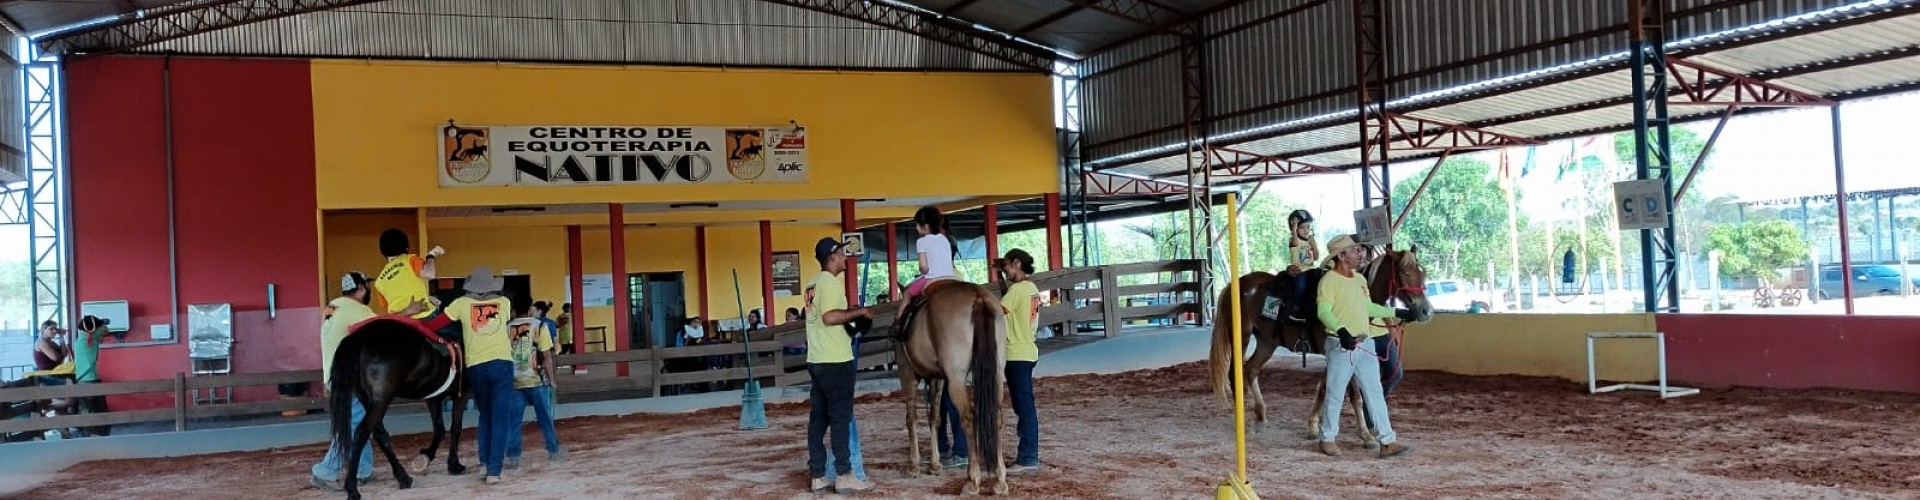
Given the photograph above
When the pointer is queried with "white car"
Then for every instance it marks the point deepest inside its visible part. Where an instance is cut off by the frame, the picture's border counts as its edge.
(1454, 296)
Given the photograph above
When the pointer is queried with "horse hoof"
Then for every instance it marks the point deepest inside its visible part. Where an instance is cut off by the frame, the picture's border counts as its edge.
(970, 489)
(420, 464)
(1373, 445)
(405, 482)
(456, 469)
(1000, 489)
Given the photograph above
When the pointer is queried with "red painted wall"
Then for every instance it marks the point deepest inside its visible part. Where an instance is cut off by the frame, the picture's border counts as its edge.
(1783, 351)
(244, 206)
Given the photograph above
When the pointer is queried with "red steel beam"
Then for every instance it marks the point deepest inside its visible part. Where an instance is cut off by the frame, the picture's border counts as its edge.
(1708, 148)
(1054, 255)
(1701, 84)
(1103, 184)
(622, 291)
(992, 215)
(766, 274)
(847, 226)
(893, 262)
(576, 273)
(700, 259)
(1422, 134)
(1417, 191)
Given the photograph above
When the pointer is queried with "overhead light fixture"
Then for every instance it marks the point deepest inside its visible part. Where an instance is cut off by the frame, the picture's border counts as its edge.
(871, 200)
(502, 210)
(704, 204)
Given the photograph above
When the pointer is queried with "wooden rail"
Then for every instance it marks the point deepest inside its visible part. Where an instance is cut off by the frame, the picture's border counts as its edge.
(1079, 297)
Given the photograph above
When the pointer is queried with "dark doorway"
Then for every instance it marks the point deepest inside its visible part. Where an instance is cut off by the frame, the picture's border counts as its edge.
(659, 302)
(518, 288)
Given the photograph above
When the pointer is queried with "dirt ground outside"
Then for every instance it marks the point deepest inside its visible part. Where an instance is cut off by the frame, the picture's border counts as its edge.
(1160, 434)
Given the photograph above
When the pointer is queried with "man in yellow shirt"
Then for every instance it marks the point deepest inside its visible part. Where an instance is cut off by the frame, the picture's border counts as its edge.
(1347, 310)
(483, 315)
(831, 365)
(1022, 302)
(342, 313)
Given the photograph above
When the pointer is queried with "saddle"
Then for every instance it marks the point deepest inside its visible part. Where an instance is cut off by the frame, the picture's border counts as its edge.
(901, 324)
(1281, 297)
(441, 344)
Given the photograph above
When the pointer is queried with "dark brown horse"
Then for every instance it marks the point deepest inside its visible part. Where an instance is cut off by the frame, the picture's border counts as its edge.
(1396, 274)
(959, 334)
(385, 358)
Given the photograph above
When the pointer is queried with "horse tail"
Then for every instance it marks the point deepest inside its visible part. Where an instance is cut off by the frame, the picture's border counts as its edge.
(341, 389)
(988, 350)
(1220, 360)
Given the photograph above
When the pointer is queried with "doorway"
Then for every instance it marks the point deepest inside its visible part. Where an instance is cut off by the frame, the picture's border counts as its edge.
(659, 302)
(518, 288)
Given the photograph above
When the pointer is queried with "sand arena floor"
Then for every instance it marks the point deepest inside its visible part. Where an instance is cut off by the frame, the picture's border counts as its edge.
(1160, 434)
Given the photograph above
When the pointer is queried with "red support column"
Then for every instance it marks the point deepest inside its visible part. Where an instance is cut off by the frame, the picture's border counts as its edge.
(852, 276)
(576, 273)
(700, 250)
(1054, 256)
(767, 313)
(893, 262)
(992, 215)
(622, 293)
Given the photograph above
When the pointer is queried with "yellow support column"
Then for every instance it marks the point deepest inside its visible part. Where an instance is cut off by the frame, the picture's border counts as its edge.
(1236, 485)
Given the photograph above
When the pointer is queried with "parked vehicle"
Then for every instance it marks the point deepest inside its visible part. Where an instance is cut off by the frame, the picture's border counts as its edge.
(1868, 281)
(1455, 296)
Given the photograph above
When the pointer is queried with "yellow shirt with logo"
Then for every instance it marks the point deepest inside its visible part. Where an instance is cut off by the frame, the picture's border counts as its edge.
(1344, 302)
(1303, 253)
(341, 314)
(483, 327)
(400, 284)
(1022, 301)
(827, 343)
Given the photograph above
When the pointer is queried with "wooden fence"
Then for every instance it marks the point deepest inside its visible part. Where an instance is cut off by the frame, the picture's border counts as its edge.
(1082, 299)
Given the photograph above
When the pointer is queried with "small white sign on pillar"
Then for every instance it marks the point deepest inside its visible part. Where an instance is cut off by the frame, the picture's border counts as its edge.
(1641, 204)
(1371, 226)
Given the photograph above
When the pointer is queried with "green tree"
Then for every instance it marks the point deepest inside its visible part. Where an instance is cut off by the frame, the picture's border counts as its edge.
(1458, 221)
(1757, 249)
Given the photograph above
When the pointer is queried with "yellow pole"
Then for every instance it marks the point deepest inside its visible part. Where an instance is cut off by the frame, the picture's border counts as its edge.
(1237, 486)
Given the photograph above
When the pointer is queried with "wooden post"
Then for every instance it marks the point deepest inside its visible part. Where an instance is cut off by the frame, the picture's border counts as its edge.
(1110, 301)
(653, 369)
(179, 401)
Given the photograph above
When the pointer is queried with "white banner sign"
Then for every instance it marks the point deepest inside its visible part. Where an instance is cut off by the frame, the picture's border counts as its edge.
(1371, 226)
(620, 155)
(1641, 204)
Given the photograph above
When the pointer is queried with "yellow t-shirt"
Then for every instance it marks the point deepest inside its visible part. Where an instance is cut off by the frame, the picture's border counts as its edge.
(827, 343)
(400, 284)
(483, 325)
(1023, 309)
(1344, 302)
(1303, 254)
(341, 314)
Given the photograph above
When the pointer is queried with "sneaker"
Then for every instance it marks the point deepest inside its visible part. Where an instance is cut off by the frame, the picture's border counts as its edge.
(846, 484)
(954, 462)
(333, 486)
(1330, 448)
(558, 456)
(1393, 450)
(495, 479)
(1023, 470)
(819, 484)
(513, 463)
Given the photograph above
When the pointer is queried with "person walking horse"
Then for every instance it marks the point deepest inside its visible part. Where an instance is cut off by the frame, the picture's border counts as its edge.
(830, 363)
(1347, 310)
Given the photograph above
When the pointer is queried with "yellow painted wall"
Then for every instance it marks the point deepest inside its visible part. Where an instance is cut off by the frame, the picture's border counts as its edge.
(352, 243)
(1531, 344)
(672, 249)
(537, 252)
(872, 135)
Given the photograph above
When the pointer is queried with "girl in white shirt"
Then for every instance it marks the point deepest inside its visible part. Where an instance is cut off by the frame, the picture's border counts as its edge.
(936, 251)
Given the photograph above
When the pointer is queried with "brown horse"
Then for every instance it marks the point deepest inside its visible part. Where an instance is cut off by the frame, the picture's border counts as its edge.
(1396, 274)
(959, 333)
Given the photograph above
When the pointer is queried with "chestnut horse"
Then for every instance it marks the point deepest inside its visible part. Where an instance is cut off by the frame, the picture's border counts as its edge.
(1396, 274)
(959, 334)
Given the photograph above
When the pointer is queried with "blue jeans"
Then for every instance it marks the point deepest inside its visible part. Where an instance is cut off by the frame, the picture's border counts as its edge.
(492, 384)
(1390, 370)
(1344, 367)
(1020, 389)
(542, 400)
(329, 468)
(853, 447)
(950, 422)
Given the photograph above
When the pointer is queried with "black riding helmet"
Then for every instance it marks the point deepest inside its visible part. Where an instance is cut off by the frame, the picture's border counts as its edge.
(1299, 216)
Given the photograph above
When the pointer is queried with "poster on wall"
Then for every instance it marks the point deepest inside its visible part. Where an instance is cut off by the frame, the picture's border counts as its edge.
(548, 155)
(786, 274)
(598, 289)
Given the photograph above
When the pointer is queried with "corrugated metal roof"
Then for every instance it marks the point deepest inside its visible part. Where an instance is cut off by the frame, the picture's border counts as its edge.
(704, 32)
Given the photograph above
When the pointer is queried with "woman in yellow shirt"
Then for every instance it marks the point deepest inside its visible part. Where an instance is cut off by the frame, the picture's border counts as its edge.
(1346, 309)
(1022, 302)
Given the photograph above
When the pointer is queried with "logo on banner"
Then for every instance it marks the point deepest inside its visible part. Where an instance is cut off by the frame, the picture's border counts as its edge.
(746, 159)
(467, 160)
